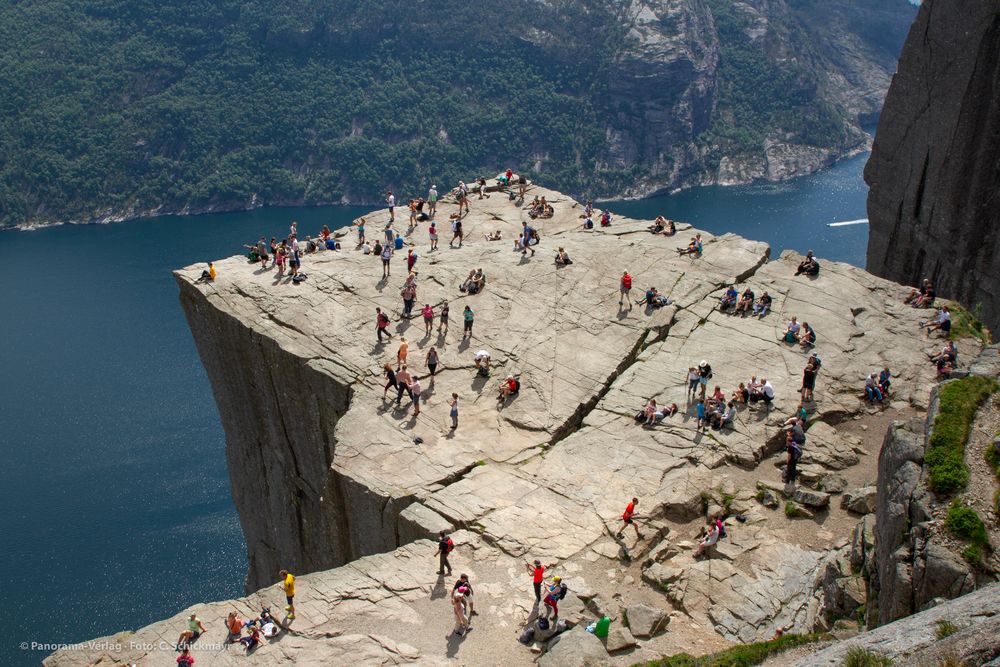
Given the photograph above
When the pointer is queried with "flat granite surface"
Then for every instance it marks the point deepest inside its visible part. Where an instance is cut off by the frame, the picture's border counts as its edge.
(547, 473)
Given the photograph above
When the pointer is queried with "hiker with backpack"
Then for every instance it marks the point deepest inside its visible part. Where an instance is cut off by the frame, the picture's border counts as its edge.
(445, 547)
(794, 453)
(627, 520)
(624, 290)
(557, 591)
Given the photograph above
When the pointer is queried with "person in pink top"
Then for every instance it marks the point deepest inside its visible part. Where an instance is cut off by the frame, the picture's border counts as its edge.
(428, 314)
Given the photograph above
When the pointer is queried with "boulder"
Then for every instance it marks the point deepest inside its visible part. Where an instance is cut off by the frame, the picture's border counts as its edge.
(768, 498)
(646, 621)
(619, 639)
(575, 648)
(860, 501)
(811, 498)
(660, 574)
(661, 552)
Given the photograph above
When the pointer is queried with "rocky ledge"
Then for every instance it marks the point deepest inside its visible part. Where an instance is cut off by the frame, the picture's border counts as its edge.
(331, 479)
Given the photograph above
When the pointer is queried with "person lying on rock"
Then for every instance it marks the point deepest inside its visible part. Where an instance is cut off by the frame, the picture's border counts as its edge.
(808, 266)
(745, 304)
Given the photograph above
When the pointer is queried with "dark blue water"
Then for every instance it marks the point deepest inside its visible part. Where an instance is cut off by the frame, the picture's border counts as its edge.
(115, 495)
(116, 508)
(791, 215)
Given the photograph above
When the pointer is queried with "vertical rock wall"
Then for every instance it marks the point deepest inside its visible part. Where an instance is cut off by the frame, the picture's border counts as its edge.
(934, 171)
(279, 416)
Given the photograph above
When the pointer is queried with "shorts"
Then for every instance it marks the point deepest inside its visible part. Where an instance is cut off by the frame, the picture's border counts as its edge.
(434, 237)
(946, 326)
(627, 521)
(289, 599)
(703, 380)
(468, 325)
(385, 262)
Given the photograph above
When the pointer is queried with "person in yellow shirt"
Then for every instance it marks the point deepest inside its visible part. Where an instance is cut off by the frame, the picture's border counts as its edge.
(288, 583)
(211, 270)
(207, 276)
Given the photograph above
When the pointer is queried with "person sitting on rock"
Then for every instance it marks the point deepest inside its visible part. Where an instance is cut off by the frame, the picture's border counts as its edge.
(806, 336)
(745, 304)
(718, 397)
(588, 222)
(478, 282)
(650, 412)
(464, 287)
(809, 266)
(194, 630)
(654, 299)
(917, 292)
(763, 305)
(885, 380)
(940, 323)
(509, 387)
(494, 236)
(792, 330)
(949, 352)
(606, 219)
(872, 390)
(741, 394)
(693, 248)
(926, 299)
(729, 298)
(659, 225)
(710, 539)
(562, 257)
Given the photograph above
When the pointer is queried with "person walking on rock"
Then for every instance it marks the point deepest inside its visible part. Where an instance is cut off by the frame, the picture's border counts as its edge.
(458, 605)
(627, 520)
(428, 313)
(445, 547)
(390, 376)
(391, 201)
(432, 362)
(528, 235)
(625, 289)
(704, 375)
(415, 395)
(403, 381)
(432, 232)
(404, 349)
(444, 317)
(288, 584)
(381, 324)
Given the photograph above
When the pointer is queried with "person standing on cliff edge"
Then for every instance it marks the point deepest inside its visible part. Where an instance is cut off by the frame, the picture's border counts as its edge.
(288, 584)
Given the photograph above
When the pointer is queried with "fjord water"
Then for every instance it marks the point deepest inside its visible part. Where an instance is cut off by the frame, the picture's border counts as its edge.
(115, 492)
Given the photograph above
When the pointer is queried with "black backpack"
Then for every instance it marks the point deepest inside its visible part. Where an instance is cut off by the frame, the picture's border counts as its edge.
(563, 590)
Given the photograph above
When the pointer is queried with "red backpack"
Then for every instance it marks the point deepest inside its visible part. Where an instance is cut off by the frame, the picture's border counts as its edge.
(451, 545)
(627, 282)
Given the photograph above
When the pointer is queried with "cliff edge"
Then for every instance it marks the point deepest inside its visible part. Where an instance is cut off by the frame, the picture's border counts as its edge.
(934, 171)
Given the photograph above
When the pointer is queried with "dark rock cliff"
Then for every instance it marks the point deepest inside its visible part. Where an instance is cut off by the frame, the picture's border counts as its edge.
(935, 166)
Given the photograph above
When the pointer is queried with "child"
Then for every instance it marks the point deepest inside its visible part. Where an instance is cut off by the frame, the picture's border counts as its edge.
(701, 412)
(454, 410)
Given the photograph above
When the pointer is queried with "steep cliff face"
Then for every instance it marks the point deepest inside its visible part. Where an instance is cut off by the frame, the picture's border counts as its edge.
(935, 166)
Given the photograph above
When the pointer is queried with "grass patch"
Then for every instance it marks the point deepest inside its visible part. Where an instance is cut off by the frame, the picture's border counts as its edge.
(745, 655)
(859, 657)
(964, 523)
(945, 628)
(727, 502)
(959, 400)
(966, 325)
(792, 510)
(973, 553)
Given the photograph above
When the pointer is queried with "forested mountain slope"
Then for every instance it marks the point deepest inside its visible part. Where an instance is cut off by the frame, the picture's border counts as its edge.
(119, 108)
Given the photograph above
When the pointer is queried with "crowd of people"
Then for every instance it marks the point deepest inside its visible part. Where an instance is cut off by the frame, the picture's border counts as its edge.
(716, 410)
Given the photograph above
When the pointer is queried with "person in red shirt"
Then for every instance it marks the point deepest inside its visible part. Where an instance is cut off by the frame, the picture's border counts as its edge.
(625, 288)
(537, 572)
(627, 517)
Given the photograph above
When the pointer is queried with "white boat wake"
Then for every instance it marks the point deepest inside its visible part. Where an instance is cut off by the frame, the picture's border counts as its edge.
(862, 221)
